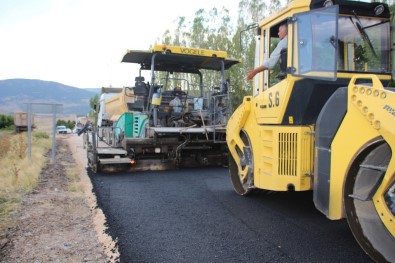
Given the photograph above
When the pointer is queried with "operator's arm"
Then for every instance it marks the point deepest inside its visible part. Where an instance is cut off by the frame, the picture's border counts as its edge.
(255, 71)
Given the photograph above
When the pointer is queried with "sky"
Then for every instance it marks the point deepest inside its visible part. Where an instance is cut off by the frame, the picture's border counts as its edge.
(81, 42)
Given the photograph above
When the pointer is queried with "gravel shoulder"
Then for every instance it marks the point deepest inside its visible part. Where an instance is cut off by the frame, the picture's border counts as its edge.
(59, 221)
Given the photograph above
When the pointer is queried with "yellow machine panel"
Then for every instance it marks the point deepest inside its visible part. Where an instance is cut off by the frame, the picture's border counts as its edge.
(285, 159)
(189, 51)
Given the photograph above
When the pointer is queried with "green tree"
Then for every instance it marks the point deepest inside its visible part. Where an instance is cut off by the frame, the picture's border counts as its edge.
(6, 121)
(9, 121)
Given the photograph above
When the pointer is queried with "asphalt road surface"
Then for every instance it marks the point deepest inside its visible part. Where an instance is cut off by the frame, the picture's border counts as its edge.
(193, 215)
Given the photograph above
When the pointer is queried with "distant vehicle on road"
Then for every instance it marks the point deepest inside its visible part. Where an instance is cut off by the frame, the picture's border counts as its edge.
(62, 129)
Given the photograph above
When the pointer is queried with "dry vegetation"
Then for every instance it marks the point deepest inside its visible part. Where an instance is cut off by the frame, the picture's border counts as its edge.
(48, 212)
(18, 174)
(46, 216)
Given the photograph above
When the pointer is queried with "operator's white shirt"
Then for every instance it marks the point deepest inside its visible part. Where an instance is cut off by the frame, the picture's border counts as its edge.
(275, 55)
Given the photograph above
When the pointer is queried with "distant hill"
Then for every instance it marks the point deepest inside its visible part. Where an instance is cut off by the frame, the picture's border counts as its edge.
(94, 90)
(16, 92)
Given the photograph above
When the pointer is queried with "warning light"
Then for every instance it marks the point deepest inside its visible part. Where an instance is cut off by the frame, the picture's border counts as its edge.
(132, 161)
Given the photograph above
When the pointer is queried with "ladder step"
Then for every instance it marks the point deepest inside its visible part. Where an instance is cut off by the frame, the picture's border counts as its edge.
(114, 160)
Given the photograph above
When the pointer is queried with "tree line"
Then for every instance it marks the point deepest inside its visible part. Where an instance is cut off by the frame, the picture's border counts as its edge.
(217, 30)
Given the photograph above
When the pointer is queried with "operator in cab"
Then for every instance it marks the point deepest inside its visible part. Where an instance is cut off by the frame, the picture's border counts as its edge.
(275, 55)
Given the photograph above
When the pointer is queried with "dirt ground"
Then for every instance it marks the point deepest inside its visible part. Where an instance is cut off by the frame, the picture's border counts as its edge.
(55, 224)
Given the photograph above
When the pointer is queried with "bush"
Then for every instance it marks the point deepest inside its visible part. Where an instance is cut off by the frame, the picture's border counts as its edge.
(6, 121)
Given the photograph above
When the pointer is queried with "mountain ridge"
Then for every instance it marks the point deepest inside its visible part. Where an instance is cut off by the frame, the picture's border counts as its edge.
(15, 93)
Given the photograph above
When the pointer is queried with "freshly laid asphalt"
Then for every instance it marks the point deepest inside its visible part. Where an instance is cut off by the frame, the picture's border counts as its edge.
(193, 215)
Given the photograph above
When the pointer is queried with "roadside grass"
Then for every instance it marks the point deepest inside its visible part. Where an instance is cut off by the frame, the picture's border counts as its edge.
(8, 129)
(18, 174)
(73, 176)
(75, 185)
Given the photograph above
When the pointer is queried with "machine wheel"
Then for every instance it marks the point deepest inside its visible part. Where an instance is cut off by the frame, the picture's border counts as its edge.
(95, 167)
(242, 182)
(362, 215)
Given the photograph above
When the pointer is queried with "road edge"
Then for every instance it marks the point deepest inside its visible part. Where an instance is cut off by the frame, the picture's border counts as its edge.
(75, 143)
